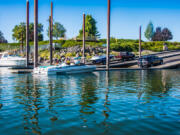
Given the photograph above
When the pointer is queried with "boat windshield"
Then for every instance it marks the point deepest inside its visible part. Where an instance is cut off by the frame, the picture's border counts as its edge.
(5, 55)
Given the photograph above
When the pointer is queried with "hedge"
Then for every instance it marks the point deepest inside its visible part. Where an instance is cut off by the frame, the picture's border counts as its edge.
(116, 45)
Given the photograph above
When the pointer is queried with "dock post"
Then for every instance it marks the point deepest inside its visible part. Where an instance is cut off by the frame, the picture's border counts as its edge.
(84, 36)
(50, 34)
(140, 42)
(27, 33)
(50, 39)
(108, 35)
(35, 33)
(51, 16)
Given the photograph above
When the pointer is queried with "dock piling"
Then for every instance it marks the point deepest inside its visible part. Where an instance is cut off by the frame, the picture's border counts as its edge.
(35, 33)
(140, 42)
(50, 39)
(84, 36)
(51, 34)
(27, 33)
(108, 35)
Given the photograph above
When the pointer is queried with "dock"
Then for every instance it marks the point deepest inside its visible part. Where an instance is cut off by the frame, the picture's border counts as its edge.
(171, 61)
(21, 70)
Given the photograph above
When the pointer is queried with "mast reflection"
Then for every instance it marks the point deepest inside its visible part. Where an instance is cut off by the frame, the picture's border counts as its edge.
(106, 110)
(35, 107)
(51, 102)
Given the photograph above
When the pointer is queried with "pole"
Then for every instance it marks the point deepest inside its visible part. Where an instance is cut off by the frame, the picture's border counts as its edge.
(50, 39)
(27, 33)
(52, 16)
(108, 35)
(140, 42)
(84, 37)
(50, 34)
(35, 33)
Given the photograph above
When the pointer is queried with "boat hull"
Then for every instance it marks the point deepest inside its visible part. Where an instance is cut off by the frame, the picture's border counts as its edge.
(12, 63)
(64, 70)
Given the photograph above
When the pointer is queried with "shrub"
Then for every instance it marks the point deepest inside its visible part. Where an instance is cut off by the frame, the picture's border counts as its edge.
(70, 55)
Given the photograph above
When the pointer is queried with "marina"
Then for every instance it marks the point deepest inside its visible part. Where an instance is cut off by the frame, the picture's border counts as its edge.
(171, 61)
(89, 67)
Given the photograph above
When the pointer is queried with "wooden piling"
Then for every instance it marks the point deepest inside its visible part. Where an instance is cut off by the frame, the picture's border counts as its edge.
(27, 33)
(108, 35)
(50, 40)
(140, 42)
(52, 16)
(51, 34)
(84, 37)
(35, 33)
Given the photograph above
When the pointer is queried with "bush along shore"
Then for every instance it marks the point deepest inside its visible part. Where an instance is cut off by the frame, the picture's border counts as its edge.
(72, 48)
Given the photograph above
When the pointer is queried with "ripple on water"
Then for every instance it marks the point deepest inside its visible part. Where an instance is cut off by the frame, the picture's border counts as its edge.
(118, 102)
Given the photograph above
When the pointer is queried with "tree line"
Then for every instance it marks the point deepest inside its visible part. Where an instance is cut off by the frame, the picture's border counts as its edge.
(19, 31)
(91, 32)
(159, 34)
(2, 39)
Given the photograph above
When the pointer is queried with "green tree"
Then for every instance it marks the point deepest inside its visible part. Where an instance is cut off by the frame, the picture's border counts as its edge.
(162, 35)
(166, 34)
(19, 33)
(2, 39)
(149, 33)
(31, 32)
(58, 30)
(91, 31)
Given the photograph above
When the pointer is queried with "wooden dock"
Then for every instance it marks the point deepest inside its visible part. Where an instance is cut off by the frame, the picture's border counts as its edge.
(21, 70)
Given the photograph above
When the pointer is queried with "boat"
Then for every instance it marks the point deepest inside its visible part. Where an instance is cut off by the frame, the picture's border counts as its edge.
(64, 69)
(7, 60)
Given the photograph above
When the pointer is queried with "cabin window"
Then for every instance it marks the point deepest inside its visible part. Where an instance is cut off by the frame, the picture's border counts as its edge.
(5, 55)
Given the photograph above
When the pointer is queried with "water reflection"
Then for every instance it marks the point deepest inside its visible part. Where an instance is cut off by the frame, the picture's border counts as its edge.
(1, 105)
(102, 98)
(141, 82)
(106, 110)
(88, 94)
(156, 83)
(29, 98)
(36, 102)
(52, 102)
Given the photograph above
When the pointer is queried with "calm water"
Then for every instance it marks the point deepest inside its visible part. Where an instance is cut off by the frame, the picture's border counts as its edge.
(118, 102)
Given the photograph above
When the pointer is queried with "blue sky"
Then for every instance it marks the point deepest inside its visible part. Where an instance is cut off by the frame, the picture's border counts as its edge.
(126, 15)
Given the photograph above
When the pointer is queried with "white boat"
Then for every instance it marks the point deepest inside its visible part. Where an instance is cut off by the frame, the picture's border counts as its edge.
(7, 60)
(64, 69)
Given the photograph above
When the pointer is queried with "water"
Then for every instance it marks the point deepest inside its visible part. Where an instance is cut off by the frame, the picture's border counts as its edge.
(118, 102)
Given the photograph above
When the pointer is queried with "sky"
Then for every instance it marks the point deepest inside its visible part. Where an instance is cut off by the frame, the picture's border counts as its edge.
(126, 16)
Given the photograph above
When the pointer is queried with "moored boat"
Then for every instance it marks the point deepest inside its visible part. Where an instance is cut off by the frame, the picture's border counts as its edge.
(64, 69)
(7, 60)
